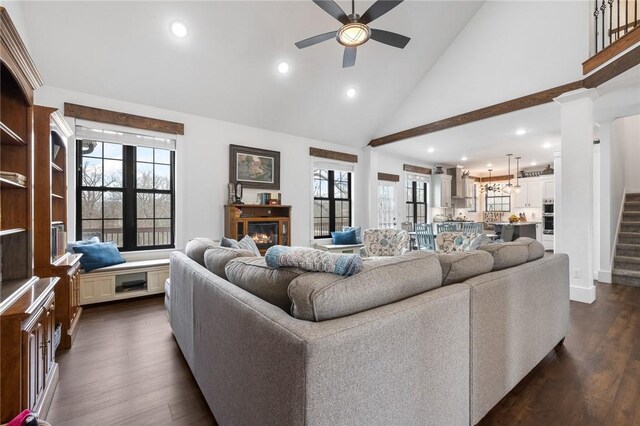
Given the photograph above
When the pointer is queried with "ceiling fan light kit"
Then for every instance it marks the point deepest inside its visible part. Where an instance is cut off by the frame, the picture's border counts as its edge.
(355, 31)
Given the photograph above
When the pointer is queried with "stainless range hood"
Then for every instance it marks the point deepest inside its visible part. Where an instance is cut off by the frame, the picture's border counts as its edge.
(457, 183)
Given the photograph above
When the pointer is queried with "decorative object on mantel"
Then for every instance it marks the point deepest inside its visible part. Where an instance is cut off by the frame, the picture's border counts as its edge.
(466, 173)
(253, 167)
(238, 193)
(438, 170)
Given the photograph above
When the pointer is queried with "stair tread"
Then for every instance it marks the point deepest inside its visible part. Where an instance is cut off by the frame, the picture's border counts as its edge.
(627, 259)
(626, 273)
(629, 245)
(629, 234)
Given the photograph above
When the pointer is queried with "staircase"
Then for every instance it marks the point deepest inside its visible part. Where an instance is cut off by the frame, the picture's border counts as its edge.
(626, 269)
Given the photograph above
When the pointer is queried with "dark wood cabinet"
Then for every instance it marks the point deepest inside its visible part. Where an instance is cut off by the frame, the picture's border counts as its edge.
(28, 371)
(268, 225)
(51, 134)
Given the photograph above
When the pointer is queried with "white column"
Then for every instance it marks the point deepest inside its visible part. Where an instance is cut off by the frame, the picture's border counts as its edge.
(574, 191)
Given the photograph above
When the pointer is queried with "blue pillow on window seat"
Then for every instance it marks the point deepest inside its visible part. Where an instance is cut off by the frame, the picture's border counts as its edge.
(72, 244)
(358, 230)
(99, 255)
(343, 238)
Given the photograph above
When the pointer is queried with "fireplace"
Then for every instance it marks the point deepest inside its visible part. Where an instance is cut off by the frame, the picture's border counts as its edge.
(265, 234)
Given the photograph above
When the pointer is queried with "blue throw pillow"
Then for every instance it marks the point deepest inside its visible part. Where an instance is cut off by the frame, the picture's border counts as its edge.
(72, 244)
(99, 255)
(358, 230)
(342, 238)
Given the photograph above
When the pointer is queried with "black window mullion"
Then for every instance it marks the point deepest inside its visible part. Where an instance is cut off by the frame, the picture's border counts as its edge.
(129, 200)
(332, 202)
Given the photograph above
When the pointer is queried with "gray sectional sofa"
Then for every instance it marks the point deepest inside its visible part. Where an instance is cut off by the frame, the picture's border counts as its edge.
(413, 340)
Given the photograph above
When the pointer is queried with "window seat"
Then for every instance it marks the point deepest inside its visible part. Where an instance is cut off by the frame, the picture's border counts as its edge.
(115, 282)
(130, 265)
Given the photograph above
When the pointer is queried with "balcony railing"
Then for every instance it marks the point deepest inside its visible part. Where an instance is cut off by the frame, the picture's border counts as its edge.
(612, 20)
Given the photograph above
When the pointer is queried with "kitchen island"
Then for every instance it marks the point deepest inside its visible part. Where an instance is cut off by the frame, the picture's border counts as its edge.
(520, 229)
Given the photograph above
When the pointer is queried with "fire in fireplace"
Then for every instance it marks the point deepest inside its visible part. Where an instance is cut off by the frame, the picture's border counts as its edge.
(265, 234)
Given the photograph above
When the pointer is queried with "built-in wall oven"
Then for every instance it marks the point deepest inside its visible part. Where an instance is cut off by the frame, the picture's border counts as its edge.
(547, 216)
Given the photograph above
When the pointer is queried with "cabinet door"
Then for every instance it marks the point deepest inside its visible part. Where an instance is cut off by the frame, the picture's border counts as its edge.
(535, 194)
(33, 360)
(549, 189)
(446, 193)
(74, 295)
(520, 199)
(49, 327)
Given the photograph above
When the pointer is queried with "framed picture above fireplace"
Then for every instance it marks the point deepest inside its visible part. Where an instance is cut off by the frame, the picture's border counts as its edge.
(253, 167)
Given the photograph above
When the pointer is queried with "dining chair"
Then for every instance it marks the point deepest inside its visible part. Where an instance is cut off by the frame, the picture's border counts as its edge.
(447, 227)
(472, 228)
(425, 237)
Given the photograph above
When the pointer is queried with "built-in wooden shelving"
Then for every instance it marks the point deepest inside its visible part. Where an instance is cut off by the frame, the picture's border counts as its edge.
(9, 137)
(8, 184)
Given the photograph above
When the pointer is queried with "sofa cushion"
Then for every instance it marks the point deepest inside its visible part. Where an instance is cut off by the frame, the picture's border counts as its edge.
(216, 258)
(195, 248)
(460, 266)
(318, 296)
(535, 247)
(507, 255)
(253, 275)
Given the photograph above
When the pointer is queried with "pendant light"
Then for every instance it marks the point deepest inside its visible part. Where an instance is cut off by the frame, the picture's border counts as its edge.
(518, 188)
(490, 187)
(508, 187)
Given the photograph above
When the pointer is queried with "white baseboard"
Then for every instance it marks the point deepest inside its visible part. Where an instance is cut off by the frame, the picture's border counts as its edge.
(605, 277)
(581, 294)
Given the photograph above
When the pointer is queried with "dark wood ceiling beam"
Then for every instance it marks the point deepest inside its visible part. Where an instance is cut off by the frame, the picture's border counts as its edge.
(517, 104)
(606, 73)
(388, 177)
(416, 169)
(333, 155)
(614, 69)
(122, 119)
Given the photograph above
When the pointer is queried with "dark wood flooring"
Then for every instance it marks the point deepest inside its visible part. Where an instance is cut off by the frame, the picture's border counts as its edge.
(125, 368)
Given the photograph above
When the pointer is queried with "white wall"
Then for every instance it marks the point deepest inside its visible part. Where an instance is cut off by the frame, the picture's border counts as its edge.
(202, 166)
(628, 135)
(505, 51)
(14, 8)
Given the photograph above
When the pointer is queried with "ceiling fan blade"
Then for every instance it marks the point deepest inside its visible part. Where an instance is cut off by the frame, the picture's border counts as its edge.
(387, 37)
(316, 39)
(333, 9)
(378, 9)
(349, 58)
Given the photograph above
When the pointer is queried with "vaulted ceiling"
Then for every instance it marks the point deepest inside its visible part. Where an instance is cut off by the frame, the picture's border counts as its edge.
(226, 67)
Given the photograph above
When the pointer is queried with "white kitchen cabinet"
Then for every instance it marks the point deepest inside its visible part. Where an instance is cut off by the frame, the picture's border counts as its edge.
(531, 194)
(548, 188)
(441, 190)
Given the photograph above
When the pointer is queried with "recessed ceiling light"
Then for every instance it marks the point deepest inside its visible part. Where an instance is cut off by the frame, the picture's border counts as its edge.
(489, 165)
(521, 132)
(351, 92)
(283, 67)
(533, 163)
(430, 149)
(179, 29)
(464, 159)
(547, 145)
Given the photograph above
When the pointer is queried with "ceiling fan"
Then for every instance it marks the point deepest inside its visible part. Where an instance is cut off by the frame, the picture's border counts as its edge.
(355, 31)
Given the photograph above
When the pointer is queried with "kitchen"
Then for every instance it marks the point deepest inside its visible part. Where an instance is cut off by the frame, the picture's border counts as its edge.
(527, 203)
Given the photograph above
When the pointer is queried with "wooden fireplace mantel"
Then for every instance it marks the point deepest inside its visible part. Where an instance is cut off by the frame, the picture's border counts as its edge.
(238, 219)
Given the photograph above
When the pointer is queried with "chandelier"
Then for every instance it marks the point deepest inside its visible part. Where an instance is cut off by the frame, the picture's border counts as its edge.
(491, 187)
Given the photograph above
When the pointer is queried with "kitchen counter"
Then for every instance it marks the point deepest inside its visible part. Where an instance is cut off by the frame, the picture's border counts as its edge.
(520, 229)
(515, 223)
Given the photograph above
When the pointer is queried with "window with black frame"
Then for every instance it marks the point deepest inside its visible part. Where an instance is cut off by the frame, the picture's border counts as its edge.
(497, 201)
(331, 201)
(126, 194)
(416, 200)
